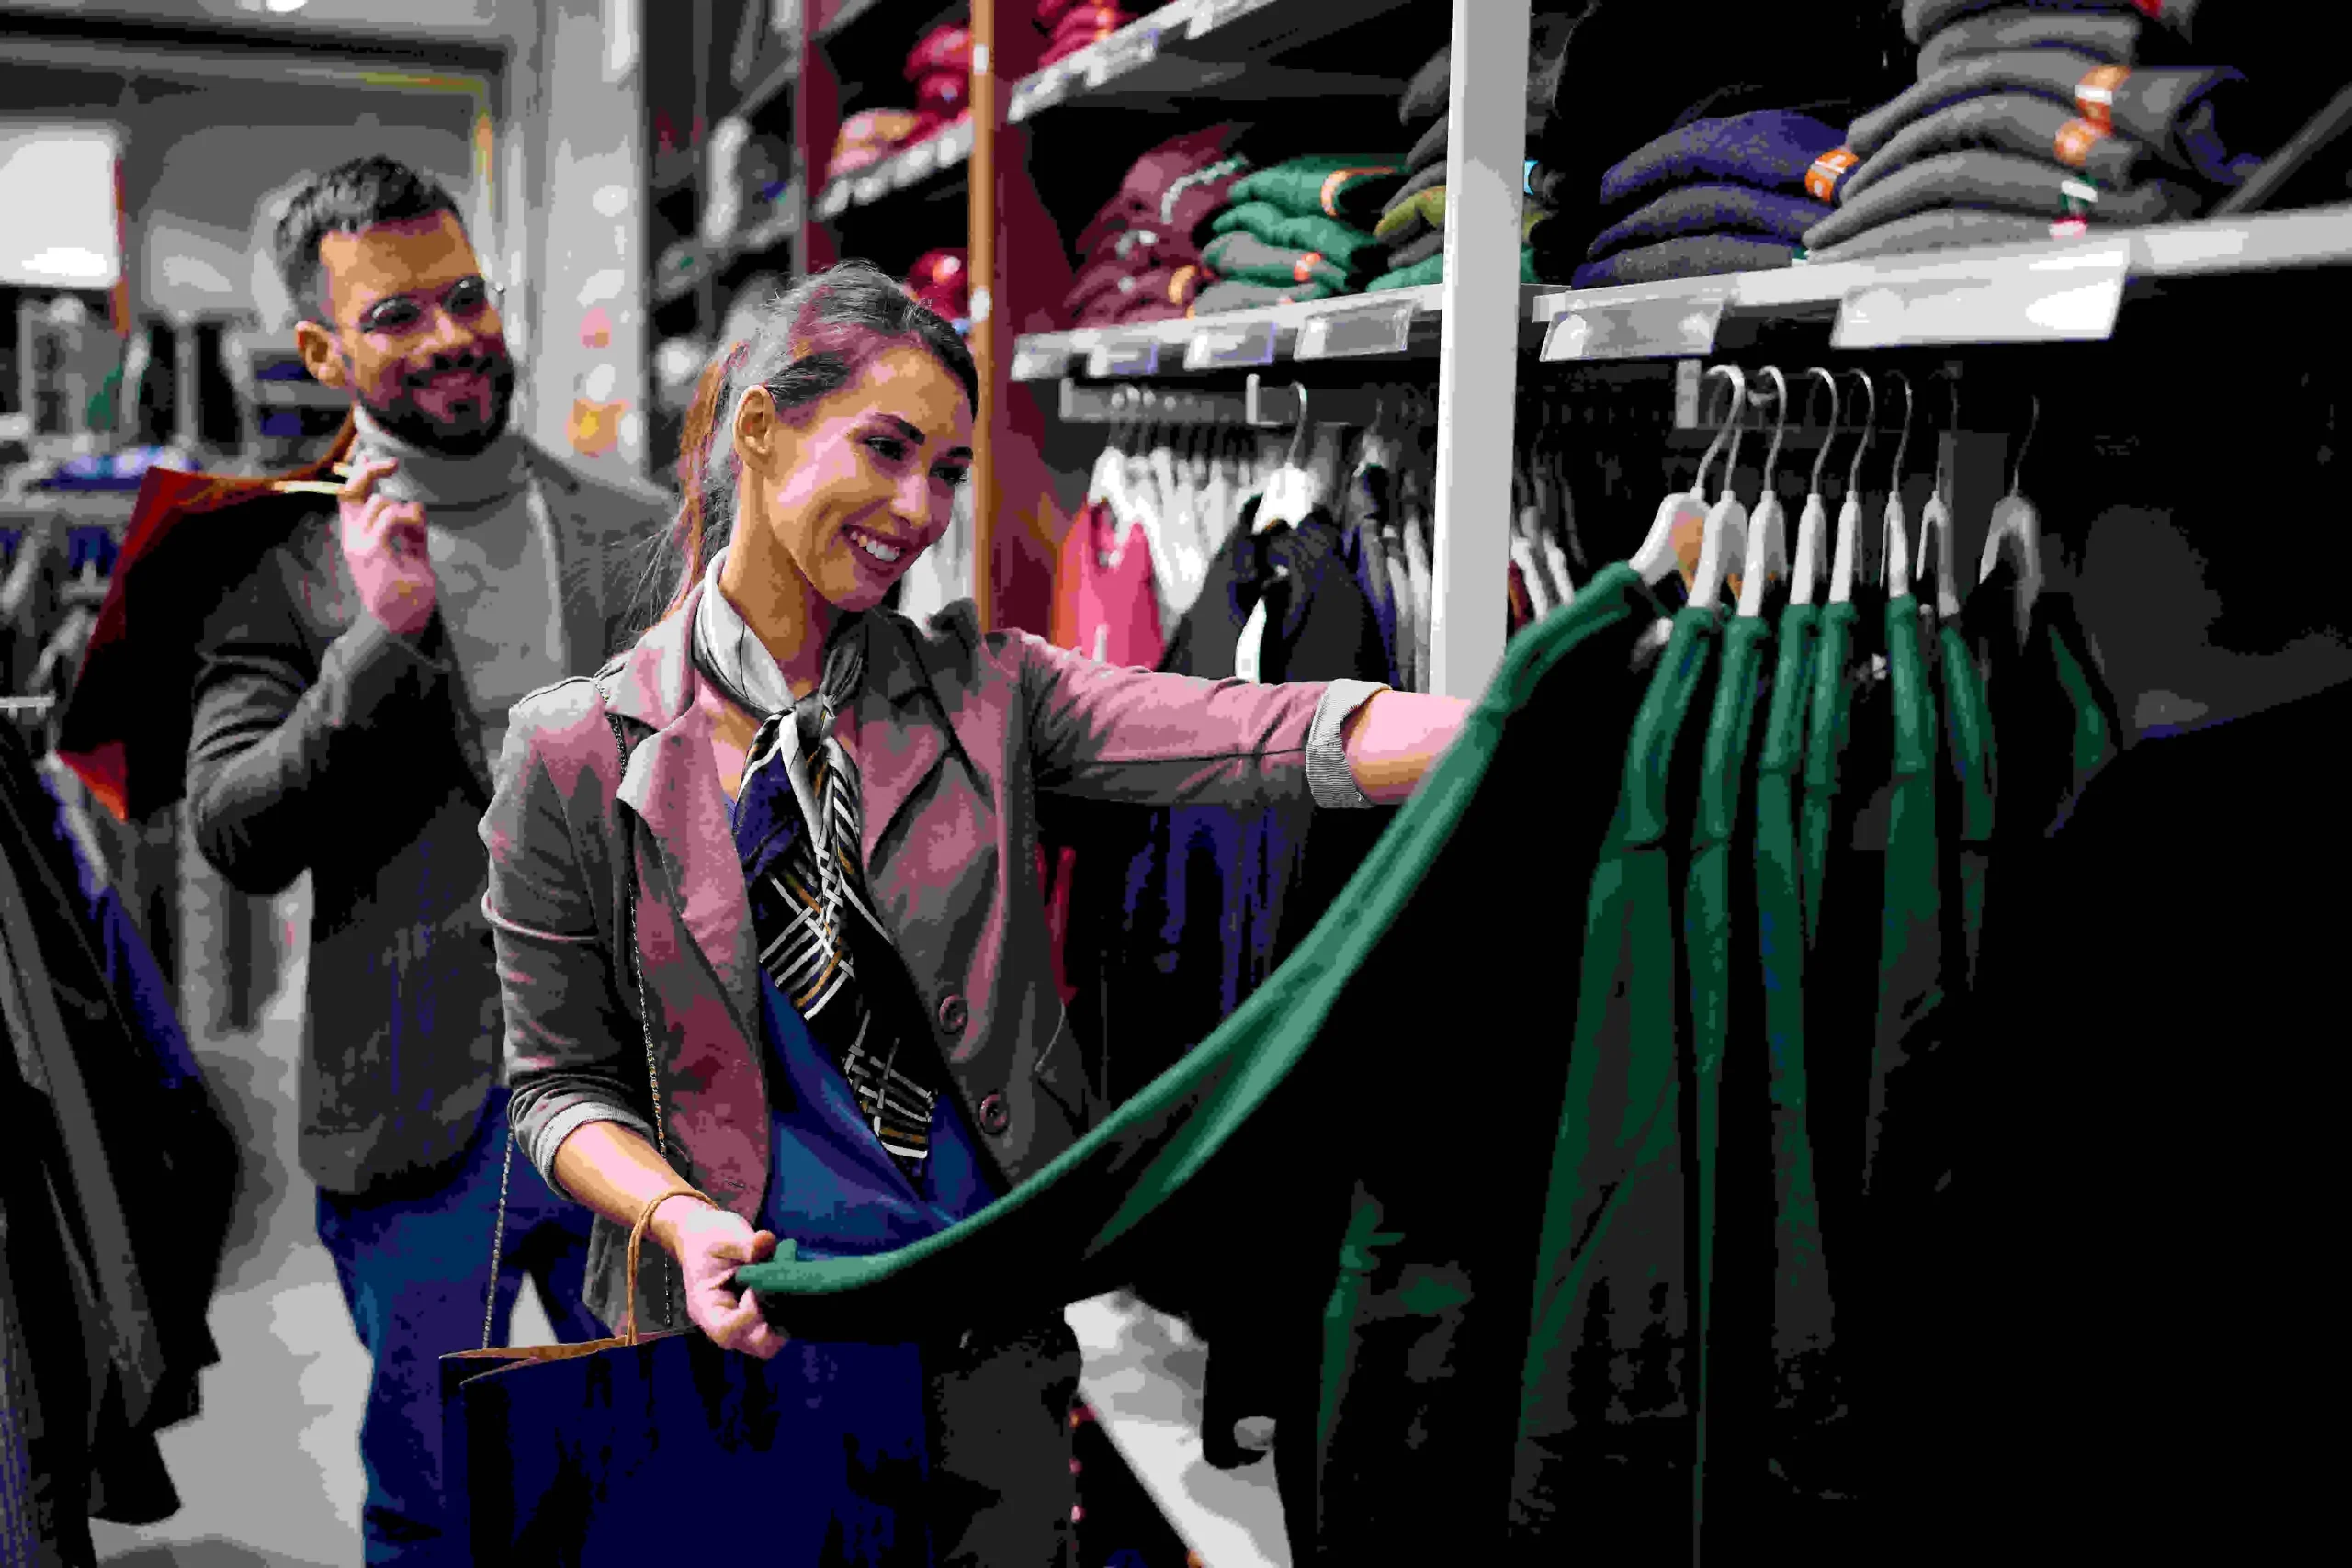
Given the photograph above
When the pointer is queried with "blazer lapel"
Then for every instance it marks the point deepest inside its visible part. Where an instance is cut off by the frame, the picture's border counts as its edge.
(672, 786)
(894, 756)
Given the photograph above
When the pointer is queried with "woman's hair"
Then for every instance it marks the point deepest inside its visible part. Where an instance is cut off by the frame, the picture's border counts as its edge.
(812, 341)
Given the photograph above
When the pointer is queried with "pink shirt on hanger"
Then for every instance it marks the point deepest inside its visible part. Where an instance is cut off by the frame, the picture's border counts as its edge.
(1105, 587)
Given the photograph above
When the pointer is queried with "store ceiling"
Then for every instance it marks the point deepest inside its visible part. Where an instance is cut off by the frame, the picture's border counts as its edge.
(482, 22)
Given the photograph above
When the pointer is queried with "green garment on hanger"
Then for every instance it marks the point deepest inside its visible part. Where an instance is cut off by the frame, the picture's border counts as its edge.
(1807, 1398)
(1258, 1147)
(1968, 805)
(1732, 1160)
(1245, 258)
(1911, 982)
(1347, 247)
(1353, 189)
(1829, 714)
(1607, 1390)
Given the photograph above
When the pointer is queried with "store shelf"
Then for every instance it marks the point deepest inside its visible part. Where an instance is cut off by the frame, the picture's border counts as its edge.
(929, 164)
(2061, 292)
(1210, 51)
(1394, 323)
(778, 68)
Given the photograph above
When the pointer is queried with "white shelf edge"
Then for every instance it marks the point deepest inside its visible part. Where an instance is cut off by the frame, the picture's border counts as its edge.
(2319, 237)
(1288, 321)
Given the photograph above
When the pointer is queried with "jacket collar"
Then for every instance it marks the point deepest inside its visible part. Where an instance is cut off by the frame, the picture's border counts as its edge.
(672, 785)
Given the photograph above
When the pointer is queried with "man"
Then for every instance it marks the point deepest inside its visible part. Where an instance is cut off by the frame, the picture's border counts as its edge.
(352, 690)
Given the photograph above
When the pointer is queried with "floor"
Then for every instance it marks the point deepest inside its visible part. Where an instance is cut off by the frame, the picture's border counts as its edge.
(269, 1473)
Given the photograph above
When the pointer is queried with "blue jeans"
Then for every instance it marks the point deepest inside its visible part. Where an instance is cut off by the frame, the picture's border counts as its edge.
(413, 1268)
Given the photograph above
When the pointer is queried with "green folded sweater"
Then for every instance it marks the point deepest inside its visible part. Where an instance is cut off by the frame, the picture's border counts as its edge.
(1350, 248)
(1417, 214)
(1354, 189)
(1248, 259)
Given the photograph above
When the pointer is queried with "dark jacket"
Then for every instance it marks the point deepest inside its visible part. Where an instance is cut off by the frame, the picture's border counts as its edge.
(323, 743)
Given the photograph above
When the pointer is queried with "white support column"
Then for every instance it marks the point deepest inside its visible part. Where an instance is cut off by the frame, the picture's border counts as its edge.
(1477, 387)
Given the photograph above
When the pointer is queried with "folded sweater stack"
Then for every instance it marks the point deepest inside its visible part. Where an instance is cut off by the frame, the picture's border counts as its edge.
(1733, 194)
(1298, 230)
(1139, 257)
(1412, 223)
(2035, 118)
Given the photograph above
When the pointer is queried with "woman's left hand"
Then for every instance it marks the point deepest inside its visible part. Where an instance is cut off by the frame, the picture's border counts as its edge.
(710, 1244)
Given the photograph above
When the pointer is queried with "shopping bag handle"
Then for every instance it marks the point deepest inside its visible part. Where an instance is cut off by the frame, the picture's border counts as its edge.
(637, 1244)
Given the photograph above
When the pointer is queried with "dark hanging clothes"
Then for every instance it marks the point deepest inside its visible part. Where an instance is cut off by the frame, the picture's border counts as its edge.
(2125, 1283)
(116, 1182)
(1192, 907)
(1286, 1149)
(1178, 915)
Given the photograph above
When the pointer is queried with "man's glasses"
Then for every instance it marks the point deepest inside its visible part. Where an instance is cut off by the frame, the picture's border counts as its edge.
(403, 315)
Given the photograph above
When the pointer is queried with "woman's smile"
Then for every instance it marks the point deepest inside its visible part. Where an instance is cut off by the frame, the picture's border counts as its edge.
(879, 547)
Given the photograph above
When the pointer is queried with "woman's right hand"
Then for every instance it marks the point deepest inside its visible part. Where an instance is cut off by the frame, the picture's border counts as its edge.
(710, 1244)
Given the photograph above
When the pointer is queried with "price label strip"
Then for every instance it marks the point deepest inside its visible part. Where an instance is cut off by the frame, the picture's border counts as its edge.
(873, 187)
(915, 165)
(1348, 334)
(834, 202)
(1669, 327)
(1136, 46)
(1220, 347)
(2074, 297)
(1039, 93)
(1124, 357)
(1211, 15)
(954, 145)
(1041, 362)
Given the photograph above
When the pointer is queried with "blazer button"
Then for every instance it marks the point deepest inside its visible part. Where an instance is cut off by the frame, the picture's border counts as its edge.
(994, 1117)
(953, 1013)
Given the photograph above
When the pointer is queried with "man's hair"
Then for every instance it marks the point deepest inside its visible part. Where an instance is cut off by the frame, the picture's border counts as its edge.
(347, 200)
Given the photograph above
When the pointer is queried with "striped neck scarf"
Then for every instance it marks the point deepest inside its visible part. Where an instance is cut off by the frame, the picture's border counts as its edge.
(799, 828)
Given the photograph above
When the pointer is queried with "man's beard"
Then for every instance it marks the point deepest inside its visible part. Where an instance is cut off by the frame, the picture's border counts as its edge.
(405, 418)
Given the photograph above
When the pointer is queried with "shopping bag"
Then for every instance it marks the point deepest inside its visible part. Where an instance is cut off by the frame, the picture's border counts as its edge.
(614, 1449)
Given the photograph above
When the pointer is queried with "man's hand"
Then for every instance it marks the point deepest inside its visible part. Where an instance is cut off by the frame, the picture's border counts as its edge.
(710, 1244)
(384, 546)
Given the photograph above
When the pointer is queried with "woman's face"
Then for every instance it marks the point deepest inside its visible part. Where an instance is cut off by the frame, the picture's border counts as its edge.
(849, 489)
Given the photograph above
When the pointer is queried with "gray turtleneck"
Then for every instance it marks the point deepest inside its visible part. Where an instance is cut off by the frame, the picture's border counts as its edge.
(494, 566)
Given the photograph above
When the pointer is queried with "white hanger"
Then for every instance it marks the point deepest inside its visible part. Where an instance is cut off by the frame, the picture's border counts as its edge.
(2017, 528)
(1656, 560)
(1936, 548)
(1849, 516)
(1107, 485)
(1813, 524)
(1290, 490)
(1767, 529)
(1724, 539)
(1895, 548)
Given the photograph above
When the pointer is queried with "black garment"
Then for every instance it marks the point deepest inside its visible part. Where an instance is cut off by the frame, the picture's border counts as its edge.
(1177, 915)
(117, 1181)
(2125, 1283)
(2028, 187)
(2204, 121)
(2116, 39)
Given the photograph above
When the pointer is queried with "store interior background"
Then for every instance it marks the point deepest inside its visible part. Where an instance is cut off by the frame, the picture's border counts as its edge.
(534, 114)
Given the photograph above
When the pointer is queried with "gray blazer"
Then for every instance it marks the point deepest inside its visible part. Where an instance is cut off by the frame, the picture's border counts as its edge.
(955, 734)
(323, 743)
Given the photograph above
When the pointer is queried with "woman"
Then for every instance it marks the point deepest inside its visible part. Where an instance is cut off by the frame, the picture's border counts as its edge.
(845, 1033)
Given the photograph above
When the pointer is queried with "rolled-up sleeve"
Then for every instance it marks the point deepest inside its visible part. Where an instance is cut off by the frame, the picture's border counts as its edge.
(1149, 739)
(568, 1032)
